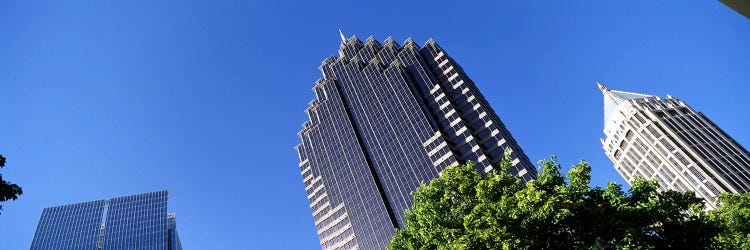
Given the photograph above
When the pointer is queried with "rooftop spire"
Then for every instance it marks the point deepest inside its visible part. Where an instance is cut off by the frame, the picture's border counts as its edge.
(613, 98)
(603, 88)
(343, 38)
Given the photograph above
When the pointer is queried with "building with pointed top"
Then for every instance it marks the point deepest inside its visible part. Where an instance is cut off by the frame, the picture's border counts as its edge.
(386, 118)
(667, 140)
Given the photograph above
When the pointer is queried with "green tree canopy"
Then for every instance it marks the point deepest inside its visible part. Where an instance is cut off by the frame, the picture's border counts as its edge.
(734, 218)
(8, 191)
(465, 209)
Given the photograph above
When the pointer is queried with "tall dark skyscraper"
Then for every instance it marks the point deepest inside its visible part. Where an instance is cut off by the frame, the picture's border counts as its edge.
(130, 222)
(387, 117)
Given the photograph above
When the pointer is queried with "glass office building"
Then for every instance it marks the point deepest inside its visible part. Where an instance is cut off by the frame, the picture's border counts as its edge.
(385, 118)
(666, 140)
(131, 222)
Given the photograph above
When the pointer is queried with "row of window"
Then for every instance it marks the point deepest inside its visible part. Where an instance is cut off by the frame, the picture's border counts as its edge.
(350, 177)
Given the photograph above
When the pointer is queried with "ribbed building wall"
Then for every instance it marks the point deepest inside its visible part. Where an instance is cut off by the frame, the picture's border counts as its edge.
(668, 141)
(386, 118)
(131, 222)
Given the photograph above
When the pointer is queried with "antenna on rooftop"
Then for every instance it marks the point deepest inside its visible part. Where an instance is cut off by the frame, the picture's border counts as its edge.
(343, 38)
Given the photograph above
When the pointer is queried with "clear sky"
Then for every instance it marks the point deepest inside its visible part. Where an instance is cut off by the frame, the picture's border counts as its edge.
(205, 98)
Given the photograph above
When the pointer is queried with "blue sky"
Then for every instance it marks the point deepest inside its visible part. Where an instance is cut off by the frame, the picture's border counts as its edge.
(205, 98)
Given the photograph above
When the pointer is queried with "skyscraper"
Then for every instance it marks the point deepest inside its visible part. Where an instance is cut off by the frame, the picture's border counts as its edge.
(667, 140)
(385, 118)
(130, 222)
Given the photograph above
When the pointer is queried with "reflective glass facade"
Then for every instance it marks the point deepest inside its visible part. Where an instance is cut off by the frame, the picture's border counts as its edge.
(131, 222)
(386, 118)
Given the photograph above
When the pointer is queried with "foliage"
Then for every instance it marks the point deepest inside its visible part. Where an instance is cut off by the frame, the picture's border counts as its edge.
(734, 218)
(8, 191)
(464, 209)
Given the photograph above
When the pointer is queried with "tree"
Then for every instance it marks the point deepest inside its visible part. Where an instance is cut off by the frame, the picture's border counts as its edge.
(734, 219)
(464, 209)
(8, 191)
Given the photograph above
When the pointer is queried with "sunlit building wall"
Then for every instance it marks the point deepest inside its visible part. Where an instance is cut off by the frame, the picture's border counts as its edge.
(666, 140)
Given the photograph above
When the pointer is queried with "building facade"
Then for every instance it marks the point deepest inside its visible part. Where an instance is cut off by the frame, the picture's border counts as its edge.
(667, 140)
(385, 118)
(130, 222)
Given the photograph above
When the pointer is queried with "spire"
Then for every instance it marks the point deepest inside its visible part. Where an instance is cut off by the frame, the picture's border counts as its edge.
(613, 98)
(343, 38)
(617, 96)
(603, 88)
